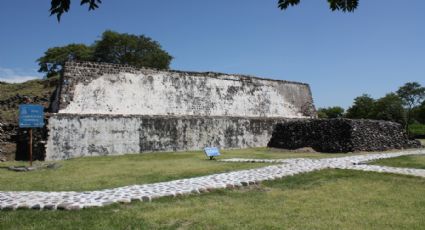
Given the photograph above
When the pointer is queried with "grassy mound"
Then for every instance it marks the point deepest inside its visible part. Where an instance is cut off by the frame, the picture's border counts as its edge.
(12, 95)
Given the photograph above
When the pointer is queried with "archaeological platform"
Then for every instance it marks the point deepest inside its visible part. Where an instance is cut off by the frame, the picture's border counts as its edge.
(107, 109)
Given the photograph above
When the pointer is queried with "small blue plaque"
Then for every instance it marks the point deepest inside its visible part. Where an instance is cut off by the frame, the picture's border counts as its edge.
(212, 152)
(31, 116)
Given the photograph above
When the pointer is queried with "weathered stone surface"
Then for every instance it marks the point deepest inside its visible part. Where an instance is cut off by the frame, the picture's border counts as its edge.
(341, 135)
(14, 140)
(39, 136)
(73, 135)
(8, 133)
(100, 88)
(107, 109)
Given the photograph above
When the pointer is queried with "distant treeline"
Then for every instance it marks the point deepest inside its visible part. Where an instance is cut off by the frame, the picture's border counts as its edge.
(405, 106)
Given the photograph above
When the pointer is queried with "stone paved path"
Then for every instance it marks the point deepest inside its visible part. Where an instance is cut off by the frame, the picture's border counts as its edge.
(147, 192)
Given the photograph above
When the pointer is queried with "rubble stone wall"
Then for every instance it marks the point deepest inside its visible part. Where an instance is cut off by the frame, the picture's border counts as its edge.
(7, 139)
(72, 135)
(341, 135)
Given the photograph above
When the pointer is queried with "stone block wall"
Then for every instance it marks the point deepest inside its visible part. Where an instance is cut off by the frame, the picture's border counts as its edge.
(99, 88)
(72, 135)
(341, 135)
(107, 109)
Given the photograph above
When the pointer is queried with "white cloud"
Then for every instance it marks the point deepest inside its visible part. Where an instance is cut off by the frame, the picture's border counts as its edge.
(18, 75)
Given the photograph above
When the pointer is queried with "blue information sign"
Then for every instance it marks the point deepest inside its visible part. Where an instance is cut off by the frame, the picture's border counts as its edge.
(31, 116)
(212, 152)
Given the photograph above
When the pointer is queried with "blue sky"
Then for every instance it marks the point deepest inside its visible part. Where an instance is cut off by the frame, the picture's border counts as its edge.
(374, 50)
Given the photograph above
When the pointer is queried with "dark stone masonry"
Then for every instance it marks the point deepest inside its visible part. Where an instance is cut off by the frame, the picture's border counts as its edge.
(8, 133)
(341, 135)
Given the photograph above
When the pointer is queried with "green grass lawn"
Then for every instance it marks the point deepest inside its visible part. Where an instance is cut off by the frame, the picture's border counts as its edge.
(92, 173)
(403, 162)
(417, 129)
(328, 199)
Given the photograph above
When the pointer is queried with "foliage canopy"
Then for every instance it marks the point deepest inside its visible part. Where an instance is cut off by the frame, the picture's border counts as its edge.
(361, 108)
(334, 5)
(419, 113)
(58, 7)
(412, 94)
(54, 58)
(403, 107)
(139, 51)
(331, 112)
(113, 47)
(389, 108)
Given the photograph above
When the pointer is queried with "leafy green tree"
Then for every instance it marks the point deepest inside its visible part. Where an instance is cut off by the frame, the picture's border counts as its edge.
(139, 51)
(363, 108)
(321, 113)
(54, 58)
(412, 94)
(389, 108)
(330, 112)
(419, 113)
(340, 5)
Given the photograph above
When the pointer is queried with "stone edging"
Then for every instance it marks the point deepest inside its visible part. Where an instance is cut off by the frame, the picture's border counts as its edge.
(147, 192)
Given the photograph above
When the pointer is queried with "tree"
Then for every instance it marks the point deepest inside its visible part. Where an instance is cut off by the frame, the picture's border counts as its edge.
(54, 58)
(331, 112)
(389, 108)
(139, 51)
(362, 108)
(58, 7)
(412, 94)
(340, 5)
(419, 113)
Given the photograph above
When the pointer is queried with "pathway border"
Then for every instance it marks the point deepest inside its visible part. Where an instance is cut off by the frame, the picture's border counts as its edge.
(147, 192)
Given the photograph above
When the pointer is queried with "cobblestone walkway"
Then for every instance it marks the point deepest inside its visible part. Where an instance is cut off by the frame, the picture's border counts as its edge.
(147, 192)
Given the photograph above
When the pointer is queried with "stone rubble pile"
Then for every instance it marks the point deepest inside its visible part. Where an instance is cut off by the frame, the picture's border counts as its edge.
(341, 135)
(147, 192)
(8, 134)
(1, 141)
(14, 101)
(16, 138)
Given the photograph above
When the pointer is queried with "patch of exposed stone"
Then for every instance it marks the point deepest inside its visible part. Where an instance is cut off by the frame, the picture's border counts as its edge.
(148, 192)
(13, 102)
(34, 167)
(341, 135)
(14, 142)
(8, 133)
